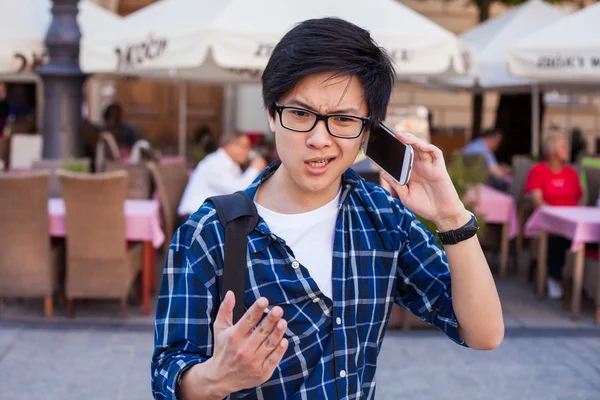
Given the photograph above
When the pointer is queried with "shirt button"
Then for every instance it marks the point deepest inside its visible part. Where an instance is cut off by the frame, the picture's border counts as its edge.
(342, 374)
(316, 300)
(295, 265)
(338, 321)
(273, 237)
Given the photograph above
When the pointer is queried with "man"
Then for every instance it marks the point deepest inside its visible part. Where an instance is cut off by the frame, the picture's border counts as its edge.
(486, 145)
(220, 172)
(331, 253)
(125, 134)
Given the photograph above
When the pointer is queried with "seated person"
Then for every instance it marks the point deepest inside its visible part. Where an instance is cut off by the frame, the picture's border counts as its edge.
(220, 172)
(125, 134)
(486, 145)
(554, 183)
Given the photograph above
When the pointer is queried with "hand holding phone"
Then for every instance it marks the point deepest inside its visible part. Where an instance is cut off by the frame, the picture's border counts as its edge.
(389, 154)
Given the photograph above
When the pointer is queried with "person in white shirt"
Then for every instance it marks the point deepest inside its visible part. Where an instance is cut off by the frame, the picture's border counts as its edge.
(221, 172)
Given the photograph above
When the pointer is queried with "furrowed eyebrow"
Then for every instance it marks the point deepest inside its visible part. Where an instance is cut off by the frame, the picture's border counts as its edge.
(350, 110)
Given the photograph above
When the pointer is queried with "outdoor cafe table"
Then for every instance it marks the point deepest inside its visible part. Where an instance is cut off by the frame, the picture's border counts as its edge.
(142, 224)
(497, 207)
(579, 224)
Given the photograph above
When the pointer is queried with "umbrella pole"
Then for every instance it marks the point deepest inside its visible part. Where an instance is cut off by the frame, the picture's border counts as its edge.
(535, 123)
(569, 117)
(182, 118)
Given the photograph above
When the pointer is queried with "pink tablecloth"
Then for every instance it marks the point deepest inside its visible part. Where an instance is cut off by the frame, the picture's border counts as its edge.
(580, 224)
(497, 208)
(142, 220)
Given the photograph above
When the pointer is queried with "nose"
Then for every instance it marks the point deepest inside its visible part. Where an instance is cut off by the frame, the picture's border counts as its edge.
(319, 136)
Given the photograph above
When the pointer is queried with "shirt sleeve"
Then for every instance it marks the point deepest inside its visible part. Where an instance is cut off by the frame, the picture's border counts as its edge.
(490, 158)
(187, 306)
(424, 285)
(534, 179)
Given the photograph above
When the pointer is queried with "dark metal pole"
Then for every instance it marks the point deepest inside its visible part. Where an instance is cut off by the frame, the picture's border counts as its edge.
(63, 84)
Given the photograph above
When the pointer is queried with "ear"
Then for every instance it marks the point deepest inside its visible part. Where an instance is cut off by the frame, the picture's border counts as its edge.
(271, 122)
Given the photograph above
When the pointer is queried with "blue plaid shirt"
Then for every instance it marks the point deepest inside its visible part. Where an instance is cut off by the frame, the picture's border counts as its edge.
(381, 255)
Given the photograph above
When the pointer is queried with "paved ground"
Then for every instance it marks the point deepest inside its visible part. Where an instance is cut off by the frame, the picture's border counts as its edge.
(96, 356)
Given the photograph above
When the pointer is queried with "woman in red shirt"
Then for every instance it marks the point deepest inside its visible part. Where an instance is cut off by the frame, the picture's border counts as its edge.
(554, 183)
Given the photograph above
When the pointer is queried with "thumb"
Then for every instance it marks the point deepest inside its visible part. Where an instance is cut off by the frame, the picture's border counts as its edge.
(224, 318)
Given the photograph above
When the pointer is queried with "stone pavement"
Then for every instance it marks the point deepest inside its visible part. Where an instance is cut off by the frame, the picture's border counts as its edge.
(545, 356)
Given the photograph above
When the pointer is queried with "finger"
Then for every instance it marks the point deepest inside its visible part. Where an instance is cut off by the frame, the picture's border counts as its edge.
(249, 320)
(417, 144)
(225, 314)
(275, 357)
(271, 341)
(265, 328)
(432, 151)
(401, 191)
(408, 138)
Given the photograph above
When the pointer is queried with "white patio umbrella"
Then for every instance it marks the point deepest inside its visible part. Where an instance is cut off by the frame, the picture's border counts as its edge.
(165, 40)
(231, 41)
(564, 54)
(491, 40)
(567, 51)
(23, 28)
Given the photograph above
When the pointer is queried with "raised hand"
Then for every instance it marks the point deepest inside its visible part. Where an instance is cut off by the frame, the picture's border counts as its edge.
(430, 192)
(246, 354)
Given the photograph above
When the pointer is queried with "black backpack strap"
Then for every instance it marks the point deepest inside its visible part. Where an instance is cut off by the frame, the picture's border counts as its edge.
(238, 215)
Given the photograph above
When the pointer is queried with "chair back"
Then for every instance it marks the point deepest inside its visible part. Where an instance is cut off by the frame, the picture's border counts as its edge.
(95, 216)
(139, 180)
(25, 269)
(170, 180)
(592, 177)
(52, 165)
(136, 151)
(521, 165)
(24, 150)
(106, 149)
(99, 264)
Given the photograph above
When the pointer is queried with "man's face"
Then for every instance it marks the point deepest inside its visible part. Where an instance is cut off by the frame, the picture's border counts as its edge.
(239, 149)
(315, 160)
(495, 142)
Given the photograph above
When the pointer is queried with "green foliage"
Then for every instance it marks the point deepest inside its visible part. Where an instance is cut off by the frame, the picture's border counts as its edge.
(466, 176)
(74, 165)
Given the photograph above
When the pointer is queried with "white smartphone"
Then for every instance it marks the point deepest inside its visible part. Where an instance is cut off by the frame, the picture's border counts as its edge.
(390, 154)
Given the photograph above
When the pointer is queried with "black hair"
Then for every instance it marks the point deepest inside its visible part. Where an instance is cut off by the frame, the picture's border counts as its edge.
(110, 108)
(491, 132)
(329, 45)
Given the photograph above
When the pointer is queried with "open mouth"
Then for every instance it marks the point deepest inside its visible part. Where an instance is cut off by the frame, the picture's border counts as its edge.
(320, 163)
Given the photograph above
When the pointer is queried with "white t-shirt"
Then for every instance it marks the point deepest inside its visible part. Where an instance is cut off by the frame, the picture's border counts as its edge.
(216, 174)
(310, 236)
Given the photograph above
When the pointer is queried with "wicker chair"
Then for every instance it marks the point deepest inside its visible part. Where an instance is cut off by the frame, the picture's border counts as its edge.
(521, 165)
(592, 176)
(106, 149)
(139, 180)
(28, 264)
(99, 263)
(52, 166)
(170, 180)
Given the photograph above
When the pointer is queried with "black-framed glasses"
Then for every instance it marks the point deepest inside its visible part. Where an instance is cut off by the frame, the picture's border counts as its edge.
(339, 125)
